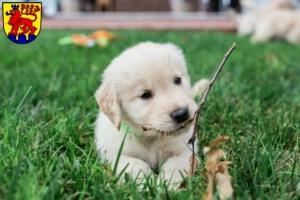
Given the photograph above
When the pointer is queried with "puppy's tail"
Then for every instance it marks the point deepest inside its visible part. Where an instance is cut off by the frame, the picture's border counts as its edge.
(200, 87)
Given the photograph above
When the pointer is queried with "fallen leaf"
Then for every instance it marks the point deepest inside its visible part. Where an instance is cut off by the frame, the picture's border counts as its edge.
(272, 58)
(211, 163)
(217, 171)
(219, 140)
(210, 186)
(224, 185)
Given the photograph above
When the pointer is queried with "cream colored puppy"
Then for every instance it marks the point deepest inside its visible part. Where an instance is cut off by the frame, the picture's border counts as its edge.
(282, 24)
(147, 85)
(276, 19)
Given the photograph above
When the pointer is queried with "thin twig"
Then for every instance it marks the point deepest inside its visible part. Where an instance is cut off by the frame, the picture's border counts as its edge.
(203, 100)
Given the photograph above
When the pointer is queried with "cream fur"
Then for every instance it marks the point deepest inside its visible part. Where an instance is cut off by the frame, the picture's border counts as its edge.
(146, 66)
(276, 19)
(283, 24)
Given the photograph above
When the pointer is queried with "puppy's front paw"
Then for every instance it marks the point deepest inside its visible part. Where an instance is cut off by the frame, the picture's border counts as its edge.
(136, 168)
(173, 170)
(258, 39)
(173, 178)
(200, 87)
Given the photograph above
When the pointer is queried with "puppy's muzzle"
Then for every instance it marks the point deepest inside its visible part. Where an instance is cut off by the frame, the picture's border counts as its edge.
(180, 115)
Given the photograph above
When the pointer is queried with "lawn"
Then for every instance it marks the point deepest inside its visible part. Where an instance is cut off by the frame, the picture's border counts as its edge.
(48, 111)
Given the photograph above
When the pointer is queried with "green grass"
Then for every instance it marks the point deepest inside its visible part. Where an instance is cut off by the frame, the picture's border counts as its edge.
(48, 111)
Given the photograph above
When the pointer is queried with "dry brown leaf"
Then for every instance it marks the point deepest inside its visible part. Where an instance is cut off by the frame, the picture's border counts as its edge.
(203, 172)
(210, 186)
(223, 180)
(272, 58)
(216, 170)
(226, 162)
(213, 159)
(219, 140)
(224, 185)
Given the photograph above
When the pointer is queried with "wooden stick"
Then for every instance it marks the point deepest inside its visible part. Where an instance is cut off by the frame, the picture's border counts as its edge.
(203, 100)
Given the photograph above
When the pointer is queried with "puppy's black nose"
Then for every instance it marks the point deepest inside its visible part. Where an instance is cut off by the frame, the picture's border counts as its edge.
(180, 115)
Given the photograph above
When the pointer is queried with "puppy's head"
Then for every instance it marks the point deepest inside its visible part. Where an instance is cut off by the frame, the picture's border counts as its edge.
(148, 85)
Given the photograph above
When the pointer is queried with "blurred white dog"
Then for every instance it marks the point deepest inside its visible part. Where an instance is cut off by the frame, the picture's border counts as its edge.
(147, 85)
(276, 19)
(282, 24)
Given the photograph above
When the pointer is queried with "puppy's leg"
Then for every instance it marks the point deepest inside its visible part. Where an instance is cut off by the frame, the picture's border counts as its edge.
(173, 170)
(293, 36)
(263, 32)
(137, 168)
(200, 87)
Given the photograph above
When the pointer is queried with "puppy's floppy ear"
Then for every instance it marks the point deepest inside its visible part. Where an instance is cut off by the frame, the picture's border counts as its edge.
(107, 99)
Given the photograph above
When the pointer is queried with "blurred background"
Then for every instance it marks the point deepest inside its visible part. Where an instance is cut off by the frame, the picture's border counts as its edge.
(133, 14)
(51, 7)
(145, 14)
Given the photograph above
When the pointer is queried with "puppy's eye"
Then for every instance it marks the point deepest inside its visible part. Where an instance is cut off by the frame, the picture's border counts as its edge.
(146, 95)
(177, 80)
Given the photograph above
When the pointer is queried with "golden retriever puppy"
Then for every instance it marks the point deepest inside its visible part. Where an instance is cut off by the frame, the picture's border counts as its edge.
(282, 24)
(276, 19)
(147, 85)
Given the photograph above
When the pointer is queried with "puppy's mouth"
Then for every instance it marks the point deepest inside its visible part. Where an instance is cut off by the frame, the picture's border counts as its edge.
(148, 127)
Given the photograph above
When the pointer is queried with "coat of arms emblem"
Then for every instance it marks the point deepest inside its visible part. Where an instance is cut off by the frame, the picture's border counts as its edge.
(22, 21)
